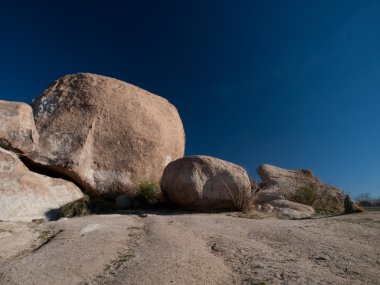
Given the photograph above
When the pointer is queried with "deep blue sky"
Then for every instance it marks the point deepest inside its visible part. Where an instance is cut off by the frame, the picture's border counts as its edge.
(291, 83)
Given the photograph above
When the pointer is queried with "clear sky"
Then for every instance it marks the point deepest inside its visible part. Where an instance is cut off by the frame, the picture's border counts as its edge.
(292, 83)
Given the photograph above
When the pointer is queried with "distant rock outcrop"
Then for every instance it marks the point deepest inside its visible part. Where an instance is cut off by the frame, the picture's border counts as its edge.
(103, 133)
(299, 186)
(286, 181)
(25, 195)
(204, 183)
(17, 129)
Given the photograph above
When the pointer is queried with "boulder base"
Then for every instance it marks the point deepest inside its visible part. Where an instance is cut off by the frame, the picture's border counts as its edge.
(123, 202)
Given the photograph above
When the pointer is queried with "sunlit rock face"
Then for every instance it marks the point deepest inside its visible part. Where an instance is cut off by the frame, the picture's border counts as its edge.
(25, 195)
(282, 183)
(17, 129)
(105, 134)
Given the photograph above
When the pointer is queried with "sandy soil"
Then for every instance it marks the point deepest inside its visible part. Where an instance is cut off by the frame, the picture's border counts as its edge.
(182, 248)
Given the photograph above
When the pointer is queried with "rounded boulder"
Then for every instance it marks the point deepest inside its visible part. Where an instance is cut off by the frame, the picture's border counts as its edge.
(205, 183)
(103, 132)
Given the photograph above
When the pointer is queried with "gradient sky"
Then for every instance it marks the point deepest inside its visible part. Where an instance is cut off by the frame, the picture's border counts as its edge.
(292, 83)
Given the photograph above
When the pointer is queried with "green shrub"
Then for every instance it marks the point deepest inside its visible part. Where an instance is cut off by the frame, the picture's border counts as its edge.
(147, 193)
(304, 195)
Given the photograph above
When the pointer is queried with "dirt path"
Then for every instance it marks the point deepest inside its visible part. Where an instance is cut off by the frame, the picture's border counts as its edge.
(198, 249)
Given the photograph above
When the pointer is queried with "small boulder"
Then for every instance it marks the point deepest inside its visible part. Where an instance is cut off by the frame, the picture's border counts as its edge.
(17, 129)
(205, 183)
(291, 210)
(25, 195)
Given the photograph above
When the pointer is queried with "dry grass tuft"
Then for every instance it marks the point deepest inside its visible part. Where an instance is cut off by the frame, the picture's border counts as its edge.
(86, 206)
(77, 208)
(243, 200)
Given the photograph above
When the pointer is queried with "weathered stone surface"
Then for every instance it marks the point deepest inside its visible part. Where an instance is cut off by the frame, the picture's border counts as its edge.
(25, 195)
(17, 129)
(204, 183)
(283, 183)
(287, 181)
(265, 196)
(328, 197)
(291, 210)
(103, 132)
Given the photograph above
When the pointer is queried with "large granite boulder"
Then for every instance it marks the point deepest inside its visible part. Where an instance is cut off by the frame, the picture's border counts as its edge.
(25, 195)
(301, 186)
(17, 129)
(205, 183)
(105, 134)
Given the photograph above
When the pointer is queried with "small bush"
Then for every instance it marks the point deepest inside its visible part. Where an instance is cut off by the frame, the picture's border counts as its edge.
(147, 193)
(304, 195)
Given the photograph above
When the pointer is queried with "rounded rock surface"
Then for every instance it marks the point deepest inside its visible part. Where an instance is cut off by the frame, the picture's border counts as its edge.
(204, 183)
(105, 134)
(26, 195)
(285, 183)
(17, 129)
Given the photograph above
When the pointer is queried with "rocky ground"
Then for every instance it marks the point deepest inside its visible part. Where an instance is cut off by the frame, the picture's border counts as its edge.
(184, 248)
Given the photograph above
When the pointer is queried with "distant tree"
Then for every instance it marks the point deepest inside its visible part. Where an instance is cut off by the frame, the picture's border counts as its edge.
(365, 200)
(376, 201)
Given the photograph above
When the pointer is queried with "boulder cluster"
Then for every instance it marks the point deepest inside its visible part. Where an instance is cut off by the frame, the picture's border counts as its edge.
(92, 134)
